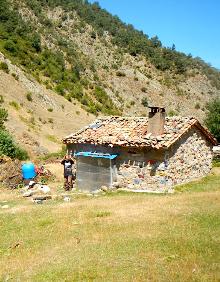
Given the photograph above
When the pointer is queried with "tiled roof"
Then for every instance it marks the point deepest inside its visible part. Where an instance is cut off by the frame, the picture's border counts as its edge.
(132, 131)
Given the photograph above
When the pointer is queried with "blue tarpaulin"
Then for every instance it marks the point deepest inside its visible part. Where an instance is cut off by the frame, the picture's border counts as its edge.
(95, 155)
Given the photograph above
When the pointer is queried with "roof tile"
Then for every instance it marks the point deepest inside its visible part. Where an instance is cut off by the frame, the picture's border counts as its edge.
(132, 131)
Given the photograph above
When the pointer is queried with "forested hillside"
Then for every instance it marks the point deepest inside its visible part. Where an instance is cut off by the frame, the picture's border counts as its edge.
(92, 59)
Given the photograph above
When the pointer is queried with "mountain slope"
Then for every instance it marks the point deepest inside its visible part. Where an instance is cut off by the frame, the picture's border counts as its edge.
(96, 64)
(38, 117)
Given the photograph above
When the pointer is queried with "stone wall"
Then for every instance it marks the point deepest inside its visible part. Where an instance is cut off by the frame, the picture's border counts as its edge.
(140, 170)
(189, 159)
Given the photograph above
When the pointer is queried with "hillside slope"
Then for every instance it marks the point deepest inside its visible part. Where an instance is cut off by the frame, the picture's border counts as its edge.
(41, 123)
(68, 61)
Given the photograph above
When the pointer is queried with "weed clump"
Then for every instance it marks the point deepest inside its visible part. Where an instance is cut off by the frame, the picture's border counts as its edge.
(29, 97)
(4, 67)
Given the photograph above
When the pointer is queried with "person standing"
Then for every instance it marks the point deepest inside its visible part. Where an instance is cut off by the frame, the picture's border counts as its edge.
(67, 163)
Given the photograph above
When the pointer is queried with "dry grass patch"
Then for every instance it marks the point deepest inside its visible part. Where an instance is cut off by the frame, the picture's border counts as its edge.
(121, 237)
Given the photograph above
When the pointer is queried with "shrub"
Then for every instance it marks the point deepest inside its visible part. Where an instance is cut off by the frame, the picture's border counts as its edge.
(120, 73)
(60, 89)
(52, 138)
(96, 78)
(1, 99)
(179, 92)
(32, 120)
(50, 109)
(10, 46)
(15, 76)
(93, 35)
(9, 148)
(144, 89)
(144, 102)
(36, 42)
(197, 106)
(172, 113)
(212, 120)
(29, 97)
(14, 105)
(105, 67)
(107, 106)
(115, 66)
(3, 117)
(4, 67)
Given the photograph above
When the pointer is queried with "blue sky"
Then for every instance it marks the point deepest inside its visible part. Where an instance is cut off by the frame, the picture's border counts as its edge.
(192, 25)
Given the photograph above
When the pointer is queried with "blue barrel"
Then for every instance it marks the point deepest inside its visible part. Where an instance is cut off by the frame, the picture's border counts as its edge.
(28, 171)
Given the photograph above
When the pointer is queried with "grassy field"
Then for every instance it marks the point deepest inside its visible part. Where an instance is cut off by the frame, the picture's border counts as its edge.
(116, 237)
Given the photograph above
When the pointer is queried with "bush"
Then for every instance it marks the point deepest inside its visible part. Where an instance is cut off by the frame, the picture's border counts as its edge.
(29, 97)
(15, 76)
(3, 117)
(10, 46)
(4, 67)
(197, 106)
(144, 89)
(120, 73)
(212, 120)
(9, 148)
(60, 89)
(1, 99)
(179, 92)
(14, 105)
(172, 113)
(50, 109)
(93, 35)
(36, 42)
(144, 102)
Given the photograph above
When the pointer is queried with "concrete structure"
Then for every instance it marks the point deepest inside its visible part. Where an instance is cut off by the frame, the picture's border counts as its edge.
(139, 153)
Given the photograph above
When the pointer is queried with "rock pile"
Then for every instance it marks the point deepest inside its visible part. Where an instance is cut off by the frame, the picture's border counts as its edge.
(37, 192)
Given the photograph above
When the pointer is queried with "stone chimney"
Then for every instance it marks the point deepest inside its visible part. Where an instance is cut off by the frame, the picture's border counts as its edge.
(156, 121)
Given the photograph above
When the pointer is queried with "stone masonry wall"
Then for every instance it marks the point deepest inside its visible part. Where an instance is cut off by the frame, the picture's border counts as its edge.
(189, 159)
(141, 170)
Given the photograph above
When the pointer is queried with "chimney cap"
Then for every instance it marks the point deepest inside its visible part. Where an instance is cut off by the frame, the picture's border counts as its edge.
(157, 109)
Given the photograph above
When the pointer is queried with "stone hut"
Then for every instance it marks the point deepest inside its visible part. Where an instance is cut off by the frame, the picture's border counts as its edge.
(139, 153)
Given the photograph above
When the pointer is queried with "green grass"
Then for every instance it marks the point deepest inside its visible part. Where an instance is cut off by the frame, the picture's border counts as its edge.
(53, 139)
(210, 182)
(118, 237)
(216, 162)
(14, 105)
(56, 155)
